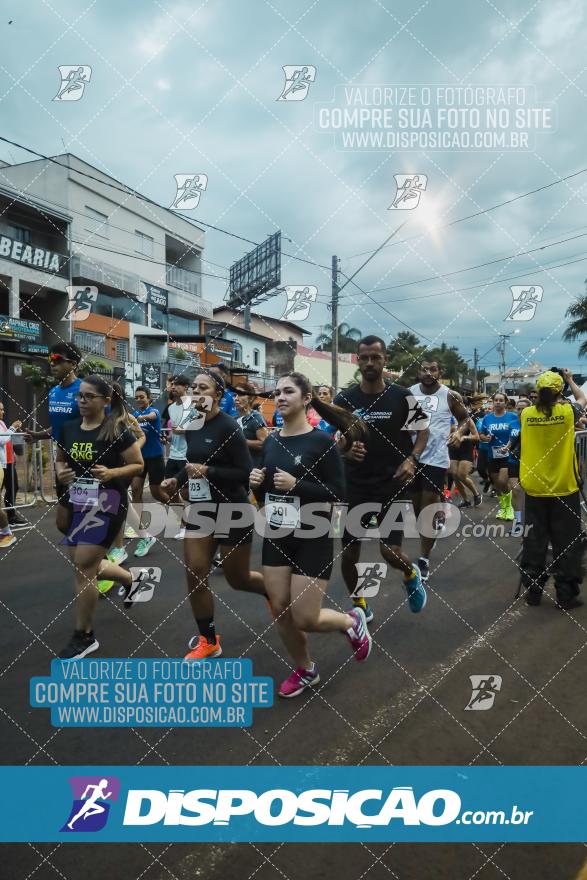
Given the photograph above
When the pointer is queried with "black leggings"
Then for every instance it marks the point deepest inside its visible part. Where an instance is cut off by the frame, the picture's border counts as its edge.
(558, 521)
(482, 465)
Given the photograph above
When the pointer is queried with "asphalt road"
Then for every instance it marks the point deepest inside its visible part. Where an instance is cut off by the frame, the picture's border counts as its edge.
(405, 706)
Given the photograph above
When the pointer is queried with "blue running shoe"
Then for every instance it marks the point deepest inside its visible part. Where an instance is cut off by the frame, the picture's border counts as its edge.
(368, 611)
(416, 593)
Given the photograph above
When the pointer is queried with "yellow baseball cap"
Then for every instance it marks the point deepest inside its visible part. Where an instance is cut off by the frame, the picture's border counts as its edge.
(552, 380)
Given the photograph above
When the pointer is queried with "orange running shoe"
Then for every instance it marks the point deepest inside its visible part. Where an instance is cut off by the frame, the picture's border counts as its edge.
(204, 650)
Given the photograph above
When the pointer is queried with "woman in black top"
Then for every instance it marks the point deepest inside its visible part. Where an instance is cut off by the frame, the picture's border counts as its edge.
(215, 479)
(302, 466)
(97, 457)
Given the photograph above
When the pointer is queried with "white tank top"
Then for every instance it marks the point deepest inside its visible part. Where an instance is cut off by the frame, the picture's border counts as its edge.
(436, 405)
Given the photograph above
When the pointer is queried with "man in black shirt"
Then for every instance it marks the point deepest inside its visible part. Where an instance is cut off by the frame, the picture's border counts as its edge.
(378, 470)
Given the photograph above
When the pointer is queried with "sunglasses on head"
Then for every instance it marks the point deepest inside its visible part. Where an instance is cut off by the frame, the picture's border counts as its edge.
(57, 359)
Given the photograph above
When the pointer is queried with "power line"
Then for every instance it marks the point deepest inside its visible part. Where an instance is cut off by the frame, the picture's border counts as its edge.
(130, 191)
(433, 229)
(482, 265)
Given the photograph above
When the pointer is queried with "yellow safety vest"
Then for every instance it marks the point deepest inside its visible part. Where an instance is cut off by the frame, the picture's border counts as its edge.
(548, 464)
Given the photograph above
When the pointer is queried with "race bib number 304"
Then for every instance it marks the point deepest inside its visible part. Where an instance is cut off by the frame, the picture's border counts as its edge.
(199, 489)
(84, 492)
(282, 510)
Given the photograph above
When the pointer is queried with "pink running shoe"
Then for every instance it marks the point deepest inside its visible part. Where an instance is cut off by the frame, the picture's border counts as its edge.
(298, 681)
(359, 636)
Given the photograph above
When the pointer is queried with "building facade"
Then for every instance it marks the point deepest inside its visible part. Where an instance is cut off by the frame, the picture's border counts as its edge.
(137, 265)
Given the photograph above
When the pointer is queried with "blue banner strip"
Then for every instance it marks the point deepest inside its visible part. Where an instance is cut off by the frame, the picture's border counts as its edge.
(320, 804)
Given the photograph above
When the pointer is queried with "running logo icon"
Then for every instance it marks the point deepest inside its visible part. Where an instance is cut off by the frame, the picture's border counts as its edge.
(143, 587)
(74, 79)
(297, 82)
(483, 691)
(189, 189)
(420, 411)
(91, 802)
(409, 189)
(369, 577)
(299, 302)
(525, 301)
(79, 302)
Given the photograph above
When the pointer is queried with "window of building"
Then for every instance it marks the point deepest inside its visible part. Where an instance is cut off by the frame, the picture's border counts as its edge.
(144, 243)
(121, 308)
(19, 233)
(158, 317)
(122, 349)
(97, 223)
(93, 343)
(180, 325)
(256, 357)
(237, 351)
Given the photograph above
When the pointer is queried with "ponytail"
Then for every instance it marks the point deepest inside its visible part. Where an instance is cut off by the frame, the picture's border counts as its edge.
(546, 399)
(117, 420)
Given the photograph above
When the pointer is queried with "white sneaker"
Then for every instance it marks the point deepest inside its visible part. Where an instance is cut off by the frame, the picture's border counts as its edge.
(180, 535)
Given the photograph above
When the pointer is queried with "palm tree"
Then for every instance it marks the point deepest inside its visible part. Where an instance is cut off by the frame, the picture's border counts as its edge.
(578, 326)
(347, 338)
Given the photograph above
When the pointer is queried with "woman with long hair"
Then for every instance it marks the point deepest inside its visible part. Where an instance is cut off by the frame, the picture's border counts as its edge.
(216, 476)
(302, 467)
(496, 430)
(461, 463)
(97, 458)
(514, 472)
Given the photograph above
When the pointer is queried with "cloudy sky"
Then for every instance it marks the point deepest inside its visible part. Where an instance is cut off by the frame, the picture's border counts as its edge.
(188, 86)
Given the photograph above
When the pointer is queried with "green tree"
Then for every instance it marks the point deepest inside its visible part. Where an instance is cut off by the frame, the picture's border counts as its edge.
(347, 338)
(404, 353)
(578, 326)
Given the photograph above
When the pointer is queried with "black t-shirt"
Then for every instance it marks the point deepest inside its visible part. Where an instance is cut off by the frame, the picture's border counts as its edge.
(312, 458)
(250, 424)
(83, 451)
(387, 445)
(220, 444)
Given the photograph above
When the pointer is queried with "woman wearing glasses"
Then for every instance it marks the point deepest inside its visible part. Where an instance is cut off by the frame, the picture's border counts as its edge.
(96, 460)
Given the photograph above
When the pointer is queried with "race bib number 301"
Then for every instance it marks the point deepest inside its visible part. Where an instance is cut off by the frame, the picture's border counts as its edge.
(282, 510)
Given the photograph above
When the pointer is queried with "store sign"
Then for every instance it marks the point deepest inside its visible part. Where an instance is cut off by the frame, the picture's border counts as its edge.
(18, 328)
(33, 348)
(37, 257)
(217, 346)
(194, 347)
(157, 296)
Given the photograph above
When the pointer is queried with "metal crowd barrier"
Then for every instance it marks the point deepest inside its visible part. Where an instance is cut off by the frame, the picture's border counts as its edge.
(35, 471)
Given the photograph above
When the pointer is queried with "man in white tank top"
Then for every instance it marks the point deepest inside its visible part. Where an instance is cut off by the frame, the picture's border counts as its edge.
(440, 403)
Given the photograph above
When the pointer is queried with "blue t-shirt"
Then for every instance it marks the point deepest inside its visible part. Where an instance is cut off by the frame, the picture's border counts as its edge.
(152, 448)
(277, 419)
(482, 443)
(63, 406)
(500, 428)
(228, 405)
(324, 426)
(515, 433)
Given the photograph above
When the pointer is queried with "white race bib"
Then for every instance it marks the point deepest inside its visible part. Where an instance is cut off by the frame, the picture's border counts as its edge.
(84, 492)
(199, 489)
(282, 510)
(500, 452)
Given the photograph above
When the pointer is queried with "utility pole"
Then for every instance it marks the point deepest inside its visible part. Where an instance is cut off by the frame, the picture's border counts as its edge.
(334, 308)
(475, 365)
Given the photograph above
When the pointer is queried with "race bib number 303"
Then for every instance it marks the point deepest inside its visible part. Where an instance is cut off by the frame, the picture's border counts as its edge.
(199, 489)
